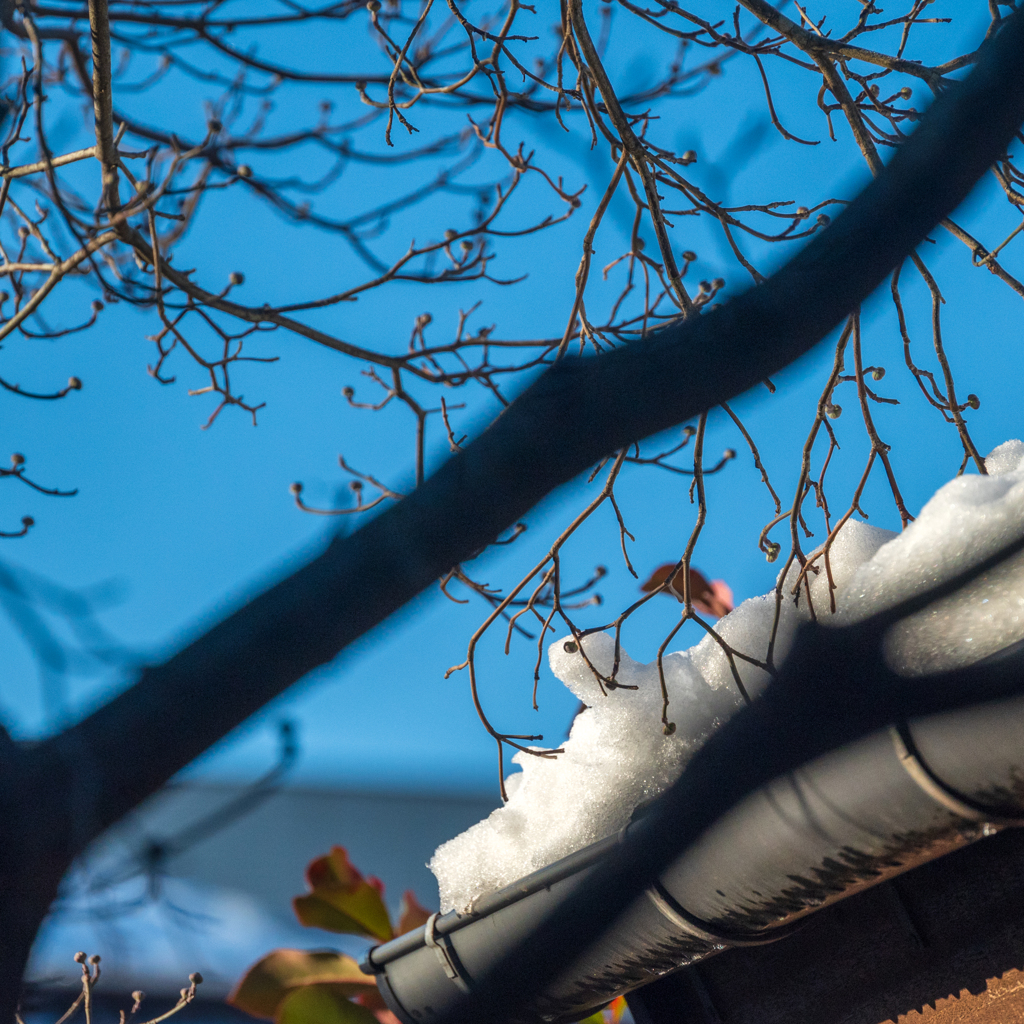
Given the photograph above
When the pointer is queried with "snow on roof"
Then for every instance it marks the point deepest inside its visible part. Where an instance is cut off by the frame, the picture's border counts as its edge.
(617, 756)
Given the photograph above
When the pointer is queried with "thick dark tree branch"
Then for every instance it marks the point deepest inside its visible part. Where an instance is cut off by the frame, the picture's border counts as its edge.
(57, 795)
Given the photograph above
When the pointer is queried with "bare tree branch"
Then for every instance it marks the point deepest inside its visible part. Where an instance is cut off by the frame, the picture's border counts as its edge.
(56, 795)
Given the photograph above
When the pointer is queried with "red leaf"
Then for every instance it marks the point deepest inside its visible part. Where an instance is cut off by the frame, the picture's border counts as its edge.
(714, 598)
(413, 913)
(266, 984)
(342, 900)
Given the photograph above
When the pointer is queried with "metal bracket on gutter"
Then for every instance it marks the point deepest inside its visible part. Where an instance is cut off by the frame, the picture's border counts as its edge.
(914, 765)
(447, 956)
(836, 837)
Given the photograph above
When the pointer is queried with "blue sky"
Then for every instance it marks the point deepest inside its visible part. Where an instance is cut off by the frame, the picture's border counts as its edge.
(181, 524)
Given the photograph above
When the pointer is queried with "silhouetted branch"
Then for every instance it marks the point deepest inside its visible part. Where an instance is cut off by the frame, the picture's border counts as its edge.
(59, 794)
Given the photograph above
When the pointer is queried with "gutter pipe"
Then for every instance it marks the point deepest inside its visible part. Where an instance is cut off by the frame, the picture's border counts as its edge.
(844, 822)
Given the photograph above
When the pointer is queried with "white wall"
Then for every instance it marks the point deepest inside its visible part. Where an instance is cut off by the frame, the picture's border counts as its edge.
(219, 905)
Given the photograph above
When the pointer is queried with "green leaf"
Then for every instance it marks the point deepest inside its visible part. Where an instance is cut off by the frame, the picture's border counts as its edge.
(342, 900)
(610, 1014)
(322, 1004)
(270, 980)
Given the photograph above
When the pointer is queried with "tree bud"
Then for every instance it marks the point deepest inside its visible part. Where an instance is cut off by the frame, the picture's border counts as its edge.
(973, 401)
(833, 412)
(878, 373)
(570, 647)
(236, 278)
(244, 171)
(17, 459)
(295, 488)
(689, 256)
(74, 383)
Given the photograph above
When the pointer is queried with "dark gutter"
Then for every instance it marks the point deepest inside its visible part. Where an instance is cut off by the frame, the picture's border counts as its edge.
(727, 857)
(843, 823)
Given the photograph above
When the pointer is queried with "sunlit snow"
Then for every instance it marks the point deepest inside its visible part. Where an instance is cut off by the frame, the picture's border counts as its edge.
(617, 756)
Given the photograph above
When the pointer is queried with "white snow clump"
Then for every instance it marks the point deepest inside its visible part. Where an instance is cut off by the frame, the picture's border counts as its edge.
(617, 756)
(967, 520)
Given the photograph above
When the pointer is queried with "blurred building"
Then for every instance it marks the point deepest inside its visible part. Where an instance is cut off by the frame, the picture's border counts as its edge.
(195, 880)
